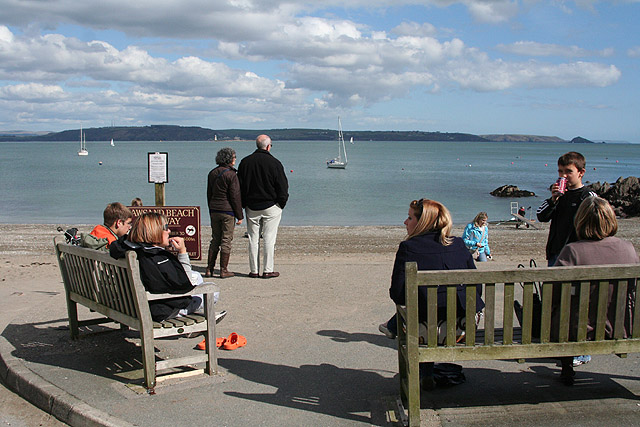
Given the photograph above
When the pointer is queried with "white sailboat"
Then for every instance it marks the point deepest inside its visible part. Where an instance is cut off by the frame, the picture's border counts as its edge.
(112, 144)
(351, 140)
(339, 162)
(83, 144)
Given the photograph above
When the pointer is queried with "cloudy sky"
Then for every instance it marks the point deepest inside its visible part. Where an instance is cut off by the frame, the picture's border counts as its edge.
(562, 68)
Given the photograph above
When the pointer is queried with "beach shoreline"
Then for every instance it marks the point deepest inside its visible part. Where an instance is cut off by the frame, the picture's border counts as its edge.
(301, 244)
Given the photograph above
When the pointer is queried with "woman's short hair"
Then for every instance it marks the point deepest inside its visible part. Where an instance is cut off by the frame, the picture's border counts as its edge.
(595, 219)
(479, 218)
(225, 156)
(432, 217)
(147, 228)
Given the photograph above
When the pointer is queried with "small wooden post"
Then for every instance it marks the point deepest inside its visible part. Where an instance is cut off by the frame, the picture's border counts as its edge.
(160, 194)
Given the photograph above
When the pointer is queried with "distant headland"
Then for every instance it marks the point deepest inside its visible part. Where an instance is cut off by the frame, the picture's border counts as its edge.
(194, 133)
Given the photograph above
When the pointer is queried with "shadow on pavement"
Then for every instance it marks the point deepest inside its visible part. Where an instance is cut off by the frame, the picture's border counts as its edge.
(345, 337)
(340, 392)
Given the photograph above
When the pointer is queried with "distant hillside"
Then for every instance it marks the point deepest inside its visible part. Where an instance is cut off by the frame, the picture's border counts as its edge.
(194, 133)
(522, 138)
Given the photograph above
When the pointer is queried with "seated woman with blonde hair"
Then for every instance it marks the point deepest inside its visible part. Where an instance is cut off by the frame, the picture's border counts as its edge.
(160, 270)
(596, 226)
(430, 244)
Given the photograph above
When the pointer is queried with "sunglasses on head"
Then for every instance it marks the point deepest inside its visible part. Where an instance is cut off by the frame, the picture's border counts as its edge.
(416, 203)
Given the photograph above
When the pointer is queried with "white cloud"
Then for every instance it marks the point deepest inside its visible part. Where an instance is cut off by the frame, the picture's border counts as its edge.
(492, 11)
(499, 75)
(634, 52)
(226, 20)
(530, 48)
(424, 29)
(32, 92)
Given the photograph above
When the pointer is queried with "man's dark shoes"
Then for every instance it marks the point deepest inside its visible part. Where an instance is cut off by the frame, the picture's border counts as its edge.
(270, 275)
(254, 275)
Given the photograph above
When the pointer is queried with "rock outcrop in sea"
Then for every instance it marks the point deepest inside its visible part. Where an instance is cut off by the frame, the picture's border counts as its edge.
(511, 191)
(624, 195)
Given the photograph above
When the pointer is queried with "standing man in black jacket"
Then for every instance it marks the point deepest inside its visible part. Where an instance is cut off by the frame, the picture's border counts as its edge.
(265, 191)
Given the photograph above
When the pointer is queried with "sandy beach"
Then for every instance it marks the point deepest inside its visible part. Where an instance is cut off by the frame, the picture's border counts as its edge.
(20, 243)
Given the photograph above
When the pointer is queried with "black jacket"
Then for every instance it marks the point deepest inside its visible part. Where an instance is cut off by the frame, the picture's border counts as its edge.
(161, 273)
(263, 182)
(427, 251)
(561, 213)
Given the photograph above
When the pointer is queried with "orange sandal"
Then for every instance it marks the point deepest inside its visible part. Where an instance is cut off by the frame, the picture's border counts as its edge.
(202, 345)
(234, 341)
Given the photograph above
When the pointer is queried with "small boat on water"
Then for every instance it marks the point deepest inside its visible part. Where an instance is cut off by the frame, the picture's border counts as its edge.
(339, 162)
(112, 144)
(83, 144)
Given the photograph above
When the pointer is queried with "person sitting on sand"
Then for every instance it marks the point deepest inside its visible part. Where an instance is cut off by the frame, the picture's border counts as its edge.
(595, 224)
(476, 237)
(117, 223)
(430, 244)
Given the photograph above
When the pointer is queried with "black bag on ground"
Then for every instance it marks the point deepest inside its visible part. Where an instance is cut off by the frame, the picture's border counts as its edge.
(448, 374)
(536, 317)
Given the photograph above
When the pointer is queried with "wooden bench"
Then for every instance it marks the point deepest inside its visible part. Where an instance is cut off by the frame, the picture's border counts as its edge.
(113, 288)
(499, 339)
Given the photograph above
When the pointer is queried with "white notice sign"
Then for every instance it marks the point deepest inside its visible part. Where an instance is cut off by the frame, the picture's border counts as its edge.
(158, 167)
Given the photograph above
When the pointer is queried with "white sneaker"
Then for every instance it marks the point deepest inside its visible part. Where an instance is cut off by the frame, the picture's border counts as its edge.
(220, 315)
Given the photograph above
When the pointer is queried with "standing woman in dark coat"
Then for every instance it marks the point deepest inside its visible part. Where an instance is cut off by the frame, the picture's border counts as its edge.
(429, 243)
(225, 206)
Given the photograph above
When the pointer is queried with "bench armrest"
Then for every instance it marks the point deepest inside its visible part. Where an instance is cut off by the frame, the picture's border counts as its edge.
(205, 288)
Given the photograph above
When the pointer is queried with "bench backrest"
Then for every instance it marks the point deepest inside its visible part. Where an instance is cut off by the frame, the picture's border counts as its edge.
(109, 286)
(564, 277)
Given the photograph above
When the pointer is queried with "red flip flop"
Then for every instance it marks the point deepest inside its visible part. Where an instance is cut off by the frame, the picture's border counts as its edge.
(234, 341)
(203, 346)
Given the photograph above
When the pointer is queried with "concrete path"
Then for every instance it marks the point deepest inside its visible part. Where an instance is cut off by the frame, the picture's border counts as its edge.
(314, 357)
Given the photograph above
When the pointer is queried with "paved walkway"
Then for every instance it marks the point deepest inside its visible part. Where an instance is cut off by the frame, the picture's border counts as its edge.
(313, 358)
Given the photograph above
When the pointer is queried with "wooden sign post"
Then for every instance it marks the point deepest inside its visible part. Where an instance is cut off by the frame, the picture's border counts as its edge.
(158, 166)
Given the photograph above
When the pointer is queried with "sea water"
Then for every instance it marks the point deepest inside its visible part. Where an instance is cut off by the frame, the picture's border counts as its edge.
(49, 183)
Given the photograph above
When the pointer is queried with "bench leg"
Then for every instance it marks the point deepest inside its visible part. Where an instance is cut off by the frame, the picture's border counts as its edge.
(72, 311)
(413, 387)
(212, 362)
(148, 357)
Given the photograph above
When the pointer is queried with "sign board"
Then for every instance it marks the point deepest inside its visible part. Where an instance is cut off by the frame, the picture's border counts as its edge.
(183, 221)
(158, 165)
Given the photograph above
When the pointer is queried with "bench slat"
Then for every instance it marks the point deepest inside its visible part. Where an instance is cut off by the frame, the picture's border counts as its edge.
(621, 307)
(489, 312)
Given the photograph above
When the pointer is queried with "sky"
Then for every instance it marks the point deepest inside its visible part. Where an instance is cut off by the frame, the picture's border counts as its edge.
(555, 68)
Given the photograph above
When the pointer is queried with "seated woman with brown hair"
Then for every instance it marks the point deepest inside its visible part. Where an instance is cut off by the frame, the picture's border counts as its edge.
(596, 226)
(160, 270)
